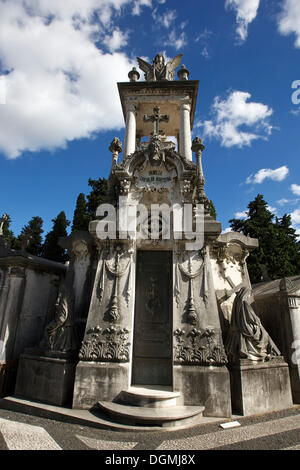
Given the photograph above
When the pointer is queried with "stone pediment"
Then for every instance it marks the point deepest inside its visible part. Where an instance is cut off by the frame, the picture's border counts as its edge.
(169, 159)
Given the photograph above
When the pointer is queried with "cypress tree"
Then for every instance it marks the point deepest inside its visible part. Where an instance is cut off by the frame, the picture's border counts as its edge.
(97, 196)
(33, 230)
(51, 249)
(81, 217)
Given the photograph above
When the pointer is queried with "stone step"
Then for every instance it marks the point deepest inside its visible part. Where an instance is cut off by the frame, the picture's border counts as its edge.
(163, 417)
(148, 397)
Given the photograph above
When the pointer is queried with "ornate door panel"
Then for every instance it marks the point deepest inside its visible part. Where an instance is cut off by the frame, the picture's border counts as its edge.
(152, 349)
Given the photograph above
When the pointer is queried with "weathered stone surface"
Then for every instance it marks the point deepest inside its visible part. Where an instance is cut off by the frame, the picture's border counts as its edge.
(206, 386)
(99, 381)
(50, 380)
(278, 306)
(260, 387)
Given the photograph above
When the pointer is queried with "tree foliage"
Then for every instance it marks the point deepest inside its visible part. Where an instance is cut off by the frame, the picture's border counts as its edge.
(51, 248)
(81, 217)
(278, 253)
(31, 234)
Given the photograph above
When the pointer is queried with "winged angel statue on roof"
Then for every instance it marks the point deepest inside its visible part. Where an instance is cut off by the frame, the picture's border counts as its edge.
(159, 70)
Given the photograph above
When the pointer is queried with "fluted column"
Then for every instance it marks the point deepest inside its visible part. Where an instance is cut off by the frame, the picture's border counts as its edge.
(185, 131)
(130, 131)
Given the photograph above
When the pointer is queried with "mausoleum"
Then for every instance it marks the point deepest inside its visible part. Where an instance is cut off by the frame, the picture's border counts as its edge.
(154, 322)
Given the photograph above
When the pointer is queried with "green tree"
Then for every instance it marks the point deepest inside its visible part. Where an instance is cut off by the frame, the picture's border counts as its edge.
(33, 232)
(278, 252)
(51, 248)
(81, 217)
(97, 196)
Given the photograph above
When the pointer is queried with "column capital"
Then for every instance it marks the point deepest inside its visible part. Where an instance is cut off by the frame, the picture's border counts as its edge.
(185, 106)
(130, 106)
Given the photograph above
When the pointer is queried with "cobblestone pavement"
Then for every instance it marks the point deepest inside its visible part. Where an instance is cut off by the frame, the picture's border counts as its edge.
(272, 431)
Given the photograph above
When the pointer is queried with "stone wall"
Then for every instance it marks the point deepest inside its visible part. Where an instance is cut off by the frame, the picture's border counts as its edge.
(28, 291)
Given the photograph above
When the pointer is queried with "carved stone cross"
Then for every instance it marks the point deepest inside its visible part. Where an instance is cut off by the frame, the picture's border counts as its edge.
(156, 118)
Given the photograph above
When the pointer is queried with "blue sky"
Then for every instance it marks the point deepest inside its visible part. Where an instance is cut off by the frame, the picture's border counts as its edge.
(60, 63)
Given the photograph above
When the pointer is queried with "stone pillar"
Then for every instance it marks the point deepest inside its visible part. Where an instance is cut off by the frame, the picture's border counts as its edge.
(185, 131)
(130, 131)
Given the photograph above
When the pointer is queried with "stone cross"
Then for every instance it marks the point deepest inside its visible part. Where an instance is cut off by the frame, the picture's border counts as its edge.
(156, 118)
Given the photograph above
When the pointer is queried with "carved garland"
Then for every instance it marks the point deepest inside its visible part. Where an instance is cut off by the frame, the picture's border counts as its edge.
(109, 345)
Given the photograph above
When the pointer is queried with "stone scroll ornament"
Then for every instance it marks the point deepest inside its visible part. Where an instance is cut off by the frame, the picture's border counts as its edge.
(247, 338)
(113, 313)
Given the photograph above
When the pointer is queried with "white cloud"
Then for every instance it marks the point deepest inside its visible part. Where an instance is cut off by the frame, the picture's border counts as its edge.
(241, 215)
(227, 230)
(178, 41)
(138, 4)
(246, 12)
(295, 188)
(272, 209)
(234, 114)
(295, 217)
(285, 201)
(59, 85)
(289, 19)
(278, 174)
(116, 40)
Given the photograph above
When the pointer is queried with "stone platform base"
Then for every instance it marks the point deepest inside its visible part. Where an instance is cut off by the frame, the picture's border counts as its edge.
(99, 381)
(260, 387)
(207, 386)
(46, 379)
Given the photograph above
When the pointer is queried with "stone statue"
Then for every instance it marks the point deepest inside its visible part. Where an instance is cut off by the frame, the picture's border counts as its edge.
(159, 70)
(247, 338)
(3, 219)
(60, 334)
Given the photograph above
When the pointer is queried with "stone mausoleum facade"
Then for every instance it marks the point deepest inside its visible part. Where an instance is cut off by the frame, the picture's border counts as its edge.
(153, 321)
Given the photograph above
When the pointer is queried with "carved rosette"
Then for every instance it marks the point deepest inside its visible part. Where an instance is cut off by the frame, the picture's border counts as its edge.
(108, 345)
(198, 347)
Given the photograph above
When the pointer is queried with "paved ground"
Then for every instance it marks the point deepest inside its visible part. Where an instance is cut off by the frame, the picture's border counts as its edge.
(273, 431)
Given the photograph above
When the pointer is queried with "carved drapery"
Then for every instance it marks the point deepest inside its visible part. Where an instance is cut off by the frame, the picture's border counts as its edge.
(191, 312)
(116, 272)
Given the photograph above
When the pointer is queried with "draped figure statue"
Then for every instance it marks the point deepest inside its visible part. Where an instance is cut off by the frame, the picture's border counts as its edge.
(247, 338)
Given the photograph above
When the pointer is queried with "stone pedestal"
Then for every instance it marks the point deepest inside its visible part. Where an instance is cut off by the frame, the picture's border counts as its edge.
(46, 379)
(208, 386)
(260, 387)
(99, 381)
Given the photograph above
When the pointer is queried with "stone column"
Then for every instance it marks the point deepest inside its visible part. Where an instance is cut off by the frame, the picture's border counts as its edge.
(185, 131)
(130, 131)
